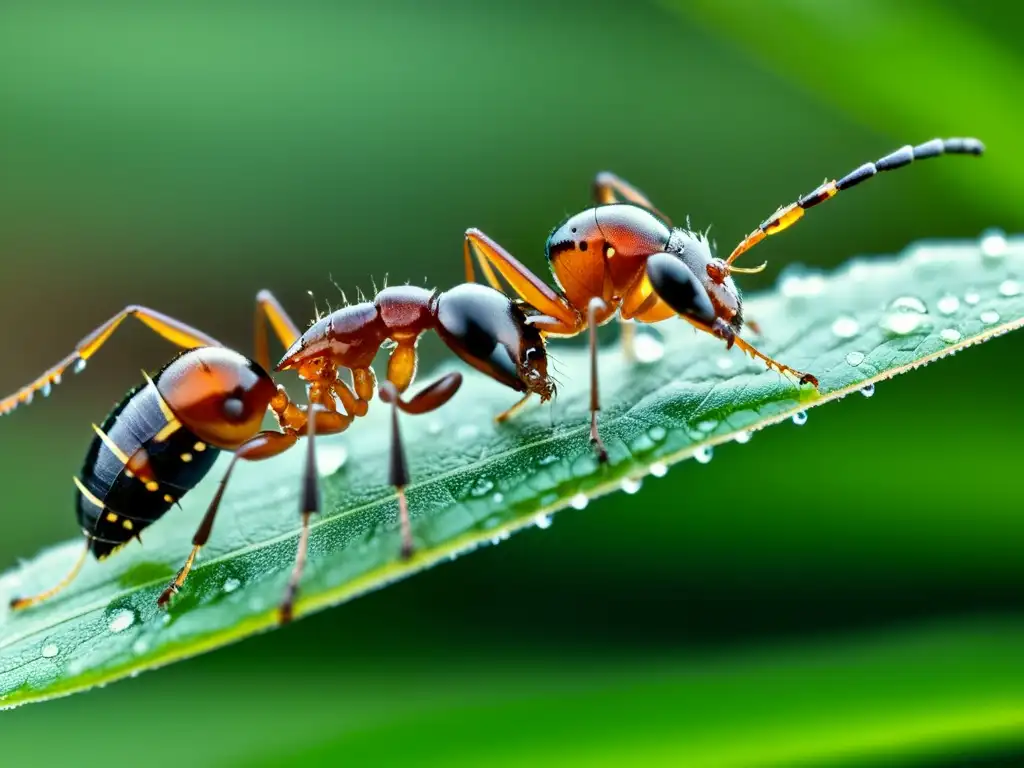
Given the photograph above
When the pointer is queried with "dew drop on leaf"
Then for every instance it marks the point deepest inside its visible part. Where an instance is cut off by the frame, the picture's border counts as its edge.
(989, 317)
(948, 304)
(845, 327)
(800, 418)
(482, 487)
(579, 501)
(1009, 288)
(498, 498)
(631, 485)
(743, 437)
(704, 454)
(79, 365)
(950, 335)
(49, 651)
(231, 584)
(542, 521)
(659, 469)
(855, 358)
(657, 433)
(647, 348)
(972, 298)
(121, 620)
(868, 390)
(993, 243)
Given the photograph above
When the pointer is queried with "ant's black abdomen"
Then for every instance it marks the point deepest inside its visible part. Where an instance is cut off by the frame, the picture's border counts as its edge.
(141, 461)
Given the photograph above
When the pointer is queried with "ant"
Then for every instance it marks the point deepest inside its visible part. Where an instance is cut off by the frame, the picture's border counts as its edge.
(624, 256)
(164, 436)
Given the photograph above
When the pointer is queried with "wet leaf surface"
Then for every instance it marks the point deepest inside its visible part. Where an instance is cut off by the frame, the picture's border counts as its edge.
(476, 482)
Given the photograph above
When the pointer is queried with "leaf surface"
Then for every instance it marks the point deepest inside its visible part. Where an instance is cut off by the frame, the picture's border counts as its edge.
(476, 481)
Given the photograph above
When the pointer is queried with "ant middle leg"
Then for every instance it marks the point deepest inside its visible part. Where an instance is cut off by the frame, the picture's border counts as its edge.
(428, 399)
(595, 306)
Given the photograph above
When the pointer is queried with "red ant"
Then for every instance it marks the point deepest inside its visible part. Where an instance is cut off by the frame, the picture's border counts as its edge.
(164, 436)
(624, 256)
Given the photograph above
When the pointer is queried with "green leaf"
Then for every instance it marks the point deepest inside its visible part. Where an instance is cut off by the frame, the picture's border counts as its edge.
(476, 481)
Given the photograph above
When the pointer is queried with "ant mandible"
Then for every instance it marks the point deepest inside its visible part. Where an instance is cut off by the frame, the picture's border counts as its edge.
(624, 256)
(165, 435)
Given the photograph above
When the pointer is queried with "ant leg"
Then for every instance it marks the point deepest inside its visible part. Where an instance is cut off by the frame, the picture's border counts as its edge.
(310, 506)
(269, 309)
(430, 398)
(595, 306)
(18, 603)
(263, 445)
(680, 289)
(174, 331)
(526, 285)
(510, 412)
(609, 188)
(790, 214)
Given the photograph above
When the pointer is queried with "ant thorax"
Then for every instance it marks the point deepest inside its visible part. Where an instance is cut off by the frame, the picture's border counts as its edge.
(694, 249)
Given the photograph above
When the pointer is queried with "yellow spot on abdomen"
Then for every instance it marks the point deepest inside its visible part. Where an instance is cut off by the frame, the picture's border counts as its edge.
(186, 457)
(111, 517)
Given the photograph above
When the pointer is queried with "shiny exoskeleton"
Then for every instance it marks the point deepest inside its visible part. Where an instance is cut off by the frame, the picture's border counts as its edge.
(623, 257)
(164, 437)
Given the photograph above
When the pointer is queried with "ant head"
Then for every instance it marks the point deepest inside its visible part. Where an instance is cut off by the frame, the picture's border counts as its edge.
(492, 333)
(217, 393)
(696, 283)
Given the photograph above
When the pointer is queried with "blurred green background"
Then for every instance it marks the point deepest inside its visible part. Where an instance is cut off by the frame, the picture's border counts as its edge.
(847, 592)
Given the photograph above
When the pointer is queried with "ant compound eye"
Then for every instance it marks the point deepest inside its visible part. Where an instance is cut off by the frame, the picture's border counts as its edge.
(233, 408)
(533, 354)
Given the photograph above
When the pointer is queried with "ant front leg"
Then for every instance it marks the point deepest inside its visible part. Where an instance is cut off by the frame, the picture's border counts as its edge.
(428, 399)
(593, 308)
(680, 289)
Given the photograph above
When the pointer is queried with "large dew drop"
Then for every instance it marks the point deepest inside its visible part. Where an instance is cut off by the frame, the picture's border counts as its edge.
(121, 620)
(993, 243)
(800, 418)
(579, 501)
(905, 315)
(855, 358)
(704, 454)
(948, 304)
(1009, 288)
(950, 335)
(49, 651)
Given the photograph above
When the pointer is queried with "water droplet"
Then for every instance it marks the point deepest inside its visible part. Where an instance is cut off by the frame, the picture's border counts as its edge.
(46, 389)
(743, 437)
(845, 327)
(704, 454)
(800, 418)
(79, 365)
(542, 521)
(707, 425)
(498, 498)
(231, 584)
(989, 317)
(972, 297)
(49, 651)
(56, 379)
(1009, 288)
(794, 286)
(121, 620)
(993, 243)
(659, 469)
(868, 390)
(909, 304)
(657, 433)
(436, 427)
(466, 432)
(948, 304)
(482, 487)
(631, 485)
(29, 396)
(724, 363)
(579, 501)
(550, 459)
(330, 458)
(647, 348)
(950, 335)
(855, 358)
(904, 316)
